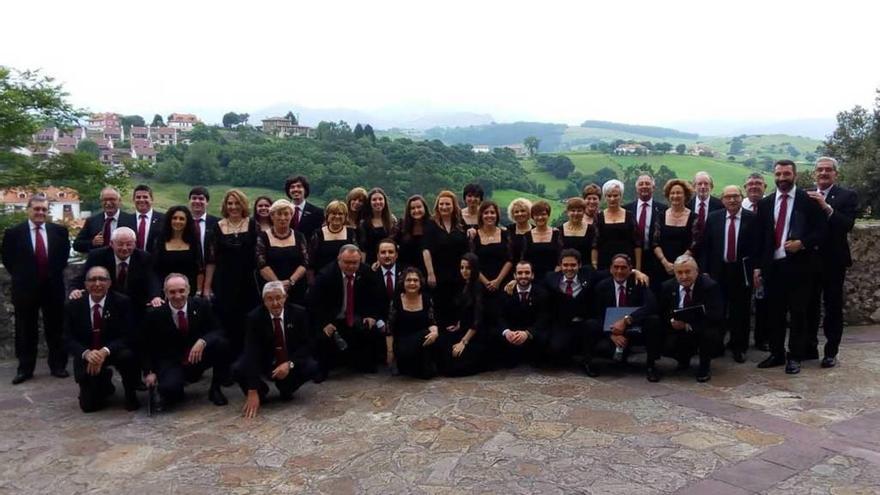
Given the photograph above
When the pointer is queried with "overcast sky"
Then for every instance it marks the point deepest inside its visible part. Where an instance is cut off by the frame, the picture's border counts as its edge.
(646, 62)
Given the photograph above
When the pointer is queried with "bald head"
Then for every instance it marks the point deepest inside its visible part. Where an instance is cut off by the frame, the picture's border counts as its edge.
(732, 198)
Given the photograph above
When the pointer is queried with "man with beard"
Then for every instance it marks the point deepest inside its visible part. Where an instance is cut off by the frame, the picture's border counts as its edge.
(387, 277)
(644, 209)
(522, 310)
(306, 217)
(792, 226)
(839, 205)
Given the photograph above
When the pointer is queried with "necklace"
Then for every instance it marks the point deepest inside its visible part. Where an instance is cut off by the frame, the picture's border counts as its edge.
(330, 229)
(280, 238)
(235, 228)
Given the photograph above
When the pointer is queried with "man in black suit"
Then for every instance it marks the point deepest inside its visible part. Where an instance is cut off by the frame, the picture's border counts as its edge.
(130, 269)
(522, 310)
(388, 279)
(98, 332)
(833, 257)
(277, 347)
(792, 226)
(35, 254)
(149, 221)
(728, 251)
(205, 224)
(183, 339)
(343, 302)
(697, 332)
(755, 187)
(98, 228)
(703, 202)
(644, 209)
(621, 290)
(306, 217)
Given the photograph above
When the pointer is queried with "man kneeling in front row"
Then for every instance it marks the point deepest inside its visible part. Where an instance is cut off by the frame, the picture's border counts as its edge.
(276, 347)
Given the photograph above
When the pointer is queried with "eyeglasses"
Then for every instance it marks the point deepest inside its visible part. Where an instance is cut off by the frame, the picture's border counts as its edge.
(98, 279)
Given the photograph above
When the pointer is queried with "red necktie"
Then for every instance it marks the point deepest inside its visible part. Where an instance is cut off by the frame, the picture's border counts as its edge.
(280, 349)
(349, 300)
(142, 231)
(731, 239)
(643, 220)
(295, 222)
(701, 217)
(108, 224)
(182, 323)
(524, 297)
(97, 324)
(40, 254)
(686, 302)
(621, 296)
(780, 220)
(389, 284)
(754, 207)
(121, 275)
(569, 290)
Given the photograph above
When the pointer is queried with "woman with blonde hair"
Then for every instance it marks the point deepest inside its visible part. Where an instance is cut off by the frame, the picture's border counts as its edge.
(673, 230)
(444, 244)
(519, 213)
(326, 241)
(616, 230)
(282, 254)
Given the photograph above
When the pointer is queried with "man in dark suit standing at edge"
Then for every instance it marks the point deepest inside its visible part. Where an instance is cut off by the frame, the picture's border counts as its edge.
(306, 217)
(98, 228)
(35, 254)
(839, 205)
(792, 227)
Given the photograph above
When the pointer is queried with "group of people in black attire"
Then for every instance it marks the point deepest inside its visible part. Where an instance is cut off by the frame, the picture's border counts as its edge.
(291, 291)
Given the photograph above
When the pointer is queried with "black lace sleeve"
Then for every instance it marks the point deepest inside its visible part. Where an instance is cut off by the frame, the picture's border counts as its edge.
(303, 247)
(315, 246)
(260, 250)
(211, 247)
(658, 228)
(392, 316)
(478, 309)
(429, 307)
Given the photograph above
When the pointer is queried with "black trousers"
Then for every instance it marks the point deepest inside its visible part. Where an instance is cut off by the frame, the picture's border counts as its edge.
(827, 292)
(366, 346)
(508, 355)
(471, 361)
(413, 358)
(762, 323)
(737, 299)
(28, 307)
(557, 344)
(789, 287)
(304, 370)
(94, 389)
(599, 343)
(703, 340)
(173, 376)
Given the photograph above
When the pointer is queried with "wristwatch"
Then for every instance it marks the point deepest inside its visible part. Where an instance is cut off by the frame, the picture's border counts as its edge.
(290, 364)
(628, 320)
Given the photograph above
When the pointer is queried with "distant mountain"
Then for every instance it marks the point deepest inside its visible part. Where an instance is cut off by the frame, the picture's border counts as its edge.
(818, 128)
(379, 119)
(501, 134)
(645, 130)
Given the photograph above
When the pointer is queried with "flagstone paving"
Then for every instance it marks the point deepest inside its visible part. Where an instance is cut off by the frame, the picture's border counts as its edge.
(518, 431)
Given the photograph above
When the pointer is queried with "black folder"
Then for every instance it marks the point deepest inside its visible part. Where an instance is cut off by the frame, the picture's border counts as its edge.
(690, 314)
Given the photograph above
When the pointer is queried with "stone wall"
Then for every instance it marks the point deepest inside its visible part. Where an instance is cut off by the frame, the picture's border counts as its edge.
(862, 287)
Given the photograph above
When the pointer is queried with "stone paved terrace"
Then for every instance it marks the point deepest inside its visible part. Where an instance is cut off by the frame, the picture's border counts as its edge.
(519, 431)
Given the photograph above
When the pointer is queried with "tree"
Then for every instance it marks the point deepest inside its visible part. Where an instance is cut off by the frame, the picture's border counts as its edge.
(663, 147)
(157, 121)
(90, 147)
(368, 131)
(737, 146)
(358, 131)
(230, 119)
(30, 101)
(132, 120)
(532, 143)
(680, 149)
(292, 118)
(201, 164)
(602, 176)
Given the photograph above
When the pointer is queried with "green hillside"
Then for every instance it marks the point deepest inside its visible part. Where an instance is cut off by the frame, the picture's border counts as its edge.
(774, 146)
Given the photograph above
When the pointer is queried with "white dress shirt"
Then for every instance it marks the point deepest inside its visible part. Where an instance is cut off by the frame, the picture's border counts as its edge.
(737, 220)
(779, 253)
(32, 226)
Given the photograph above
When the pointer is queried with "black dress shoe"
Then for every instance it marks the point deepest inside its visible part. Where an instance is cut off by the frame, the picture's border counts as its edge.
(829, 362)
(131, 401)
(590, 370)
(739, 357)
(704, 375)
(21, 377)
(215, 395)
(653, 374)
(62, 373)
(772, 361)
(792, 367)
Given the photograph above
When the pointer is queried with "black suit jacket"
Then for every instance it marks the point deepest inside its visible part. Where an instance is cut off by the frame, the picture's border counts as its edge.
(155, 232)
(325, 298)
(711, 245)
(95, 225)
(605, 296)
(20, 262)
(259, 345)
(517, 315)
(834, 249)
(808, 224)
(705, 291)
(166, 344)
(657, 209)
(714, 204)
(210, 227)
(383, 303)
(562, 309)
(312, 219)
(141, 284)
(116, 333)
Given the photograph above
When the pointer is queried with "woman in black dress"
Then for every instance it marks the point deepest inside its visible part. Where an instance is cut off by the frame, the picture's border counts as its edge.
(230, 265)
(577, 234)
(492, 248)
(261, 212)
(355, 202)
(616, 230)
(674, 230)
(445, 241)
(410, 236)
(592, 196)
(460, 347)
(177, 251)
(377, 225)
(473, 196)
(281, 253)
(543, 243)
(412, 328)
(519, 211)
(325, 244)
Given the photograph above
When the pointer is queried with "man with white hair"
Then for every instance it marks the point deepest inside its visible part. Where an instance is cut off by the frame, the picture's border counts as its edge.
(703, 202)
(277, 347)
(645, 209)
(833, 256)
(98, 228)
(691, 308)
(131, 271)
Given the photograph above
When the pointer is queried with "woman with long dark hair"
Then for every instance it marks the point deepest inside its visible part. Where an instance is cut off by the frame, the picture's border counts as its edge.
(177, 251)
(412, 327)
(410, 235)
(261, 212)
(460, 347)
(355, 202)
(378, 224)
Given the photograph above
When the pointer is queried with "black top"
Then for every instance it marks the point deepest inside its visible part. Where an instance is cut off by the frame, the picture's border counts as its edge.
(673, 240)
(283, 260)
(616, 238)
(470, 310)
(186, 262)
(323, 252)
(492, 256)
(517, 243)
(404, 322)
(235, 260)
(369, 237)
(581, 243)
(544, 256)
(446, 249)
(409, 251)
